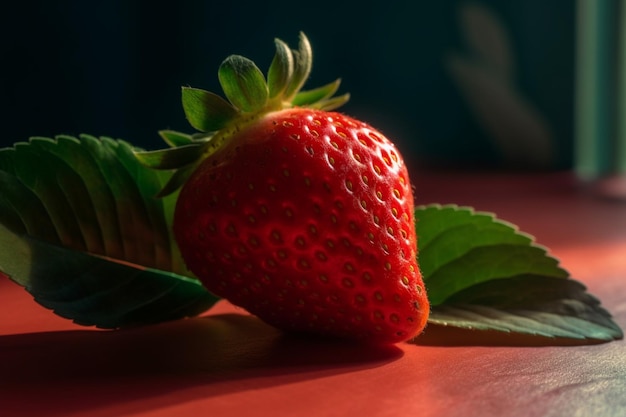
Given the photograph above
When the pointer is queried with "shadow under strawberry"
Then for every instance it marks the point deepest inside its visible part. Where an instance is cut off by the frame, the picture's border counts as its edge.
(56, 373)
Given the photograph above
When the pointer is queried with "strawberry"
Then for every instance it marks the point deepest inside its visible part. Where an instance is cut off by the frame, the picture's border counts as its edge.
(299, 214)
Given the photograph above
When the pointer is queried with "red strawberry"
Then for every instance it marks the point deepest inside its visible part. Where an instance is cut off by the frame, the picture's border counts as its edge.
(300, 215)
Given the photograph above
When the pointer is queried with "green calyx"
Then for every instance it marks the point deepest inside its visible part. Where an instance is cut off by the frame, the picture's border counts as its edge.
(249, 95)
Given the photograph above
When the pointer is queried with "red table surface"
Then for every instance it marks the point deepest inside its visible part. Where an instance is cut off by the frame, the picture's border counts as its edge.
(227, 363)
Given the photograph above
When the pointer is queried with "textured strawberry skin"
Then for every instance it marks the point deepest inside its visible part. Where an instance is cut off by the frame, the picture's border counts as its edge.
(306, 220)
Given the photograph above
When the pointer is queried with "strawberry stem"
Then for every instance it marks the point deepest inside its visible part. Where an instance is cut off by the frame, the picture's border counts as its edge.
(303, 61)
(249, 95)
(206, 111)
(281, 70)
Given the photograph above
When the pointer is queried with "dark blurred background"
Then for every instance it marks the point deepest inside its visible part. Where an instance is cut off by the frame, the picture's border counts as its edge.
(484, 83)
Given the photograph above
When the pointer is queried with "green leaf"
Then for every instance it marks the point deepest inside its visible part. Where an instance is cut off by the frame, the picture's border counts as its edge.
(18, 203)
(435, 220)
(82, 199)
(486, 263)
(482, 273)
(95, 291)
(243, 83)
(459, 248)
(48, 178)
(206, 111)
(530, 305)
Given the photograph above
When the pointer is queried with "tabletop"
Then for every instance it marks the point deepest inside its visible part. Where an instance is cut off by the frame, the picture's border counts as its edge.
(228, 363)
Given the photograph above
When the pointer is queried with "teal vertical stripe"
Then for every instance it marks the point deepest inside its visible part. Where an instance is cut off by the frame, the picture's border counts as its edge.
(593, 129)
(620, 142)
